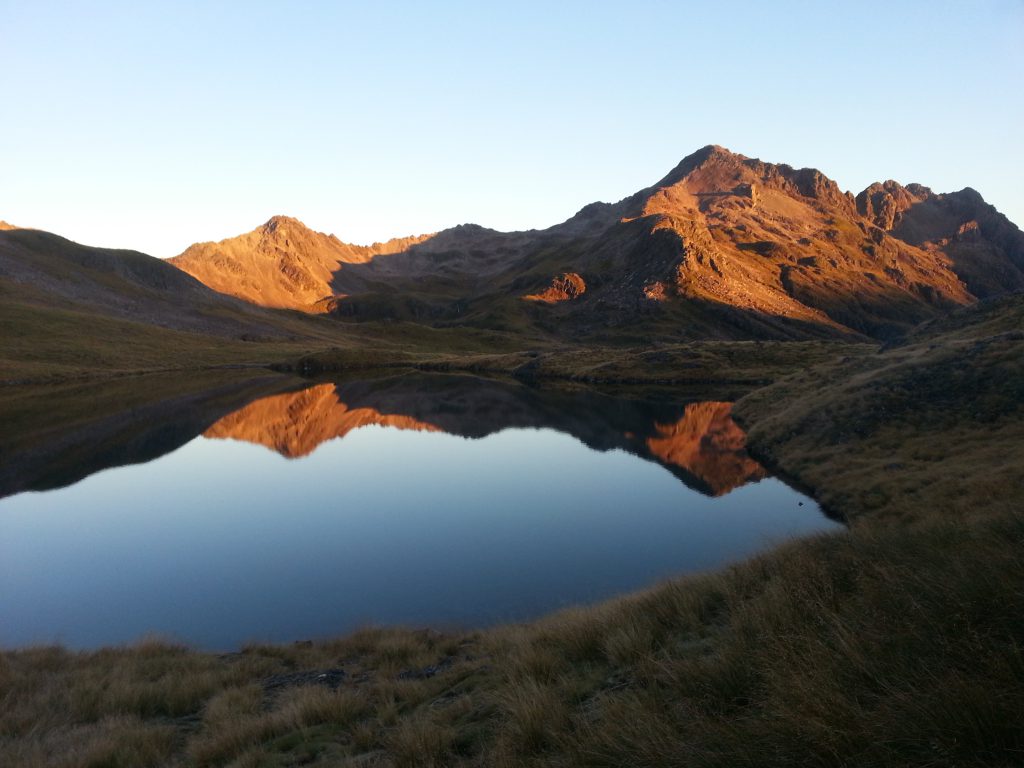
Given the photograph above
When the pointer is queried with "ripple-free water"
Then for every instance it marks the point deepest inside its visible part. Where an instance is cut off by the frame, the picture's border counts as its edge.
(223, 541)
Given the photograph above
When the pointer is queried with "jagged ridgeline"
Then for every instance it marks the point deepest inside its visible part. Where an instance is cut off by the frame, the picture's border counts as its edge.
(723, 247)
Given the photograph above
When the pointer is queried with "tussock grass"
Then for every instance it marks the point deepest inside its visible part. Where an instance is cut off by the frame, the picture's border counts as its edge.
(929, 427)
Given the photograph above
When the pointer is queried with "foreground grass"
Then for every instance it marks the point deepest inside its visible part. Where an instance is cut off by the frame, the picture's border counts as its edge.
(877, 647)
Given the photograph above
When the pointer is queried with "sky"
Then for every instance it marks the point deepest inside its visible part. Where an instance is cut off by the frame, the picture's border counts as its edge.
(155, 125)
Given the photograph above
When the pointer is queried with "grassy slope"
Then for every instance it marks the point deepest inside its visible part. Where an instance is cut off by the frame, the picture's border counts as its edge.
(892, 644)
(741, 365)
(929, 428)
(47, 343)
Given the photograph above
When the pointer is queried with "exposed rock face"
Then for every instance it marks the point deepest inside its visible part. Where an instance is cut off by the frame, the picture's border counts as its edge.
(984, 249)
(724, 246)
(563, 288)
(883, 203)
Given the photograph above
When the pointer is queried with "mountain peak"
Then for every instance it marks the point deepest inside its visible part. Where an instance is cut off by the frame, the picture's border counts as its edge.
(715, 169)
(277, 222)
(4, 225)
(707, 155)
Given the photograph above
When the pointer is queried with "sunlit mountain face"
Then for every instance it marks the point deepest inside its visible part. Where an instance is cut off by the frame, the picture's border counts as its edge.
(722, 247)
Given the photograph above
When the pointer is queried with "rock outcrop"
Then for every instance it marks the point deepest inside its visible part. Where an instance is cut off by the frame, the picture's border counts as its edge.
(984, 249)
(563, 288)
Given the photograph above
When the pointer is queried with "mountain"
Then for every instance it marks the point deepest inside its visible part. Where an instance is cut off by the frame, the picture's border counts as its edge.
(723, 247)
(281, 264)
(985, 249)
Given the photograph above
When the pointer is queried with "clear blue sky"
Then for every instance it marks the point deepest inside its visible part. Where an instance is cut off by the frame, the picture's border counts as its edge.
(153, 125)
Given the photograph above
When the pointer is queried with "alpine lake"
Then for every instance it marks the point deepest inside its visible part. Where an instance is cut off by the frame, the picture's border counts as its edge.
(218, 512)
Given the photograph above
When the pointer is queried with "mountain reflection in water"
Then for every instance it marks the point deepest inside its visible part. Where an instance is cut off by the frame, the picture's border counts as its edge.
(404, 499)
(698, 442)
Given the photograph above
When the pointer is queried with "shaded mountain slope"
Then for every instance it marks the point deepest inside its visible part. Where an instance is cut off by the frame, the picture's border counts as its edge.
(46, 269)
(985, 249)
(70, 310)
(722, 247)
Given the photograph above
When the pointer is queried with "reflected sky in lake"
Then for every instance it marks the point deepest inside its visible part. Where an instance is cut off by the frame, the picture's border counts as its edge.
(223, 541)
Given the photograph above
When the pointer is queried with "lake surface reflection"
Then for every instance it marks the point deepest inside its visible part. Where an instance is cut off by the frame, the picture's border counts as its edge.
(410, 499)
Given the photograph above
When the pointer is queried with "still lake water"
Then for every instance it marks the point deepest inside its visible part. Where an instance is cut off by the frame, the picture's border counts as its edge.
(416, 500)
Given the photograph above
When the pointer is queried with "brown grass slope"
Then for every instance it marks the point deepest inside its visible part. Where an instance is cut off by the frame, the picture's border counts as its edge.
(891, 644)
(931, 425)
(123, 284)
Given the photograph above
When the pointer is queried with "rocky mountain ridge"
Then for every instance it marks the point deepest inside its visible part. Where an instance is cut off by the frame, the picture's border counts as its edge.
(723, 246)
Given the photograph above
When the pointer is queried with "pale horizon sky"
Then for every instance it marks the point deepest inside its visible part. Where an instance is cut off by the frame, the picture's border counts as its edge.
(155, 125)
